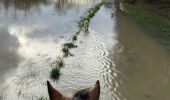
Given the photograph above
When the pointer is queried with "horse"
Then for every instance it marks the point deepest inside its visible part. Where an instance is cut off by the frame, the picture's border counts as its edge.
(83, 94)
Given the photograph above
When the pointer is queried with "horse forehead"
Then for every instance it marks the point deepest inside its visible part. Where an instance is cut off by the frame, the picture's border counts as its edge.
(79, 99)
(75, 98)
(82, 94)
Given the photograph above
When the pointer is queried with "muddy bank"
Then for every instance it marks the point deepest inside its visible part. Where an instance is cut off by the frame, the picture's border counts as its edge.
(159, 7)
(155, 26)
(144, 78)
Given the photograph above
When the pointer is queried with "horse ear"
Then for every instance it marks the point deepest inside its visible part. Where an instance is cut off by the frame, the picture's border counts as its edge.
(95, 91)
(53, 93)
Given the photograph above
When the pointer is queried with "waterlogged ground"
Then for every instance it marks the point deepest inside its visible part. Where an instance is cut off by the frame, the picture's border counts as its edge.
(129, 64)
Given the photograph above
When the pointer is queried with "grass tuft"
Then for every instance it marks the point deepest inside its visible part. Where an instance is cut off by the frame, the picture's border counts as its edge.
(55, 73)
(74, 38)
(70, 45)
(66, 51)
(42, 98)
(58, 63)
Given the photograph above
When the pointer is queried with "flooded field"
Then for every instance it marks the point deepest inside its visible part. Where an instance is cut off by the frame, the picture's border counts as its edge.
(129, 64)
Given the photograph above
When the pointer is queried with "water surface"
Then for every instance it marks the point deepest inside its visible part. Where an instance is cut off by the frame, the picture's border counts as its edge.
(129, 64)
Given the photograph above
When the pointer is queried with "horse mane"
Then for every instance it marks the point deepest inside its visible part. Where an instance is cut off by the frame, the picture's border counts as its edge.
(82, 94)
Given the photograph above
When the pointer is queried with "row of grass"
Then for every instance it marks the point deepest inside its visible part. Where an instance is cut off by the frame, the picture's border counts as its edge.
(85, 20)
(42, 98)
(83, 26)
(66, 48)
(148, 19)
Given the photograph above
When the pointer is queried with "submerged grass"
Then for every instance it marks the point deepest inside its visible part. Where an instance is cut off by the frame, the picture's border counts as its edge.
(55, 73)
(85, 20)
(66, 52)
(67, 47)
(83, 26)
(70, 45)
(58, 62)
(148, 19)
(74, 38)
(42, 98)
(78, 32)
(56, 66)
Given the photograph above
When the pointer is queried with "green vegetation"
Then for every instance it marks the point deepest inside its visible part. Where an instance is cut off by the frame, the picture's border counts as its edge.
(74, 38)
(59, 62)
(83, 26)
(56, 66)
(70, 45)
(85, 20)
(66, 48)
(55, 73)
(42, 98)
(148, 19)
(78, 32)
(66, 51)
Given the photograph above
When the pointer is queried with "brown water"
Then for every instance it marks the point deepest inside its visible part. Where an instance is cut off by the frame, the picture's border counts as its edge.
(129, 64)
(144, 67)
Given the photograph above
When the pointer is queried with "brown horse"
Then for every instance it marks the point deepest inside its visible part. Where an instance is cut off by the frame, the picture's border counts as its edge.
(84, 94)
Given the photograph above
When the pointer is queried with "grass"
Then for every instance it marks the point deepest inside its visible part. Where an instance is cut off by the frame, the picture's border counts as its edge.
(70, 45)
(58, 62)
(84, 22)
(74, 38)
(56, 66)
(78, 32)
(66, 48)
(148, 19)
(55, 73)
(83, 26)
(66, 51)
(42, 98)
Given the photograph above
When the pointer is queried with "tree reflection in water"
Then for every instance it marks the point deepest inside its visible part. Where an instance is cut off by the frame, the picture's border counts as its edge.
(25, 5)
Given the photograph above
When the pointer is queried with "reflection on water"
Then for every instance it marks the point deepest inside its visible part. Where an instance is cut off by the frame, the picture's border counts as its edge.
(29, 6)
(25, 5)
(8, 52)
(129, 64)
(63, 5)
(31, 72)
(104, 41)
(37, 39)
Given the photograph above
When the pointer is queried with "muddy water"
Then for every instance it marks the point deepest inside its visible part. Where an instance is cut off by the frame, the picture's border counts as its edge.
(129, 64)
(144, 67)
